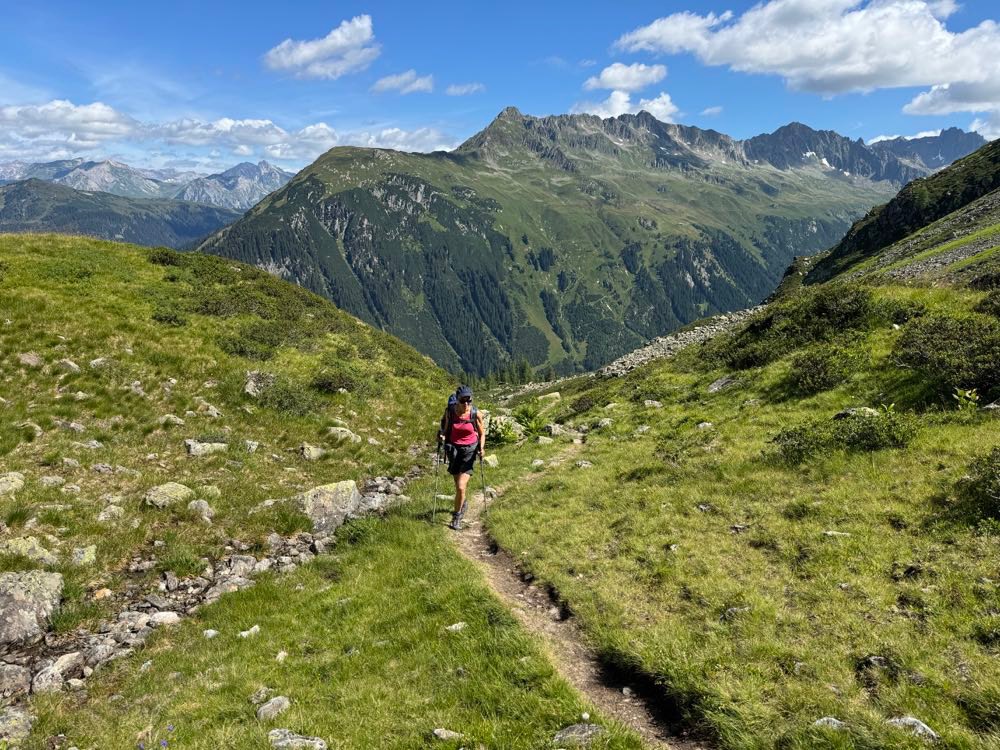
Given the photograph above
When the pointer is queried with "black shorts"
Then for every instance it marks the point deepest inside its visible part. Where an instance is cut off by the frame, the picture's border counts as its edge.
(461, 458)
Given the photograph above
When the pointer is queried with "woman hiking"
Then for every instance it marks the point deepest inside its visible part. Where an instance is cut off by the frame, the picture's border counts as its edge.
(464, 439)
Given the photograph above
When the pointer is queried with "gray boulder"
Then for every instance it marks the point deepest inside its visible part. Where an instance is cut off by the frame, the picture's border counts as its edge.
(329, 505)
(30, 359)
(342, 434)
(197, 448)
(15, 681)
(915, 726)
(11, 482)
(446, 735)
(15, 726)
(30, 547)
(311, 452)
(27, 601)
(85, 555)
(257, 382)
(722, 383)
(286, 739)
(273, 708)
(165, 495)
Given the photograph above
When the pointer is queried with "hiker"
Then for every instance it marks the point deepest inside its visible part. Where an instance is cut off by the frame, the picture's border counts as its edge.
(463, 437)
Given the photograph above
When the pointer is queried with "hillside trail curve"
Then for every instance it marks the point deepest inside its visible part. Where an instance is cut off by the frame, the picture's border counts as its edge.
(615, 695)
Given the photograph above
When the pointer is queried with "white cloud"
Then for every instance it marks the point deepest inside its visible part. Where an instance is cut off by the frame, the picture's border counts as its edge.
(464, 89)
(620, 102)
(711, 111)
(60, 129)
(621, 77)
(880, 138)
(407, 82)
(988, 127)
(349, 48)
(837, 46)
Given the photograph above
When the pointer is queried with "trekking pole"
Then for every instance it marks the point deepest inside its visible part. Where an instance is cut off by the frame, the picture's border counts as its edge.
(437, 482)
(482, 472)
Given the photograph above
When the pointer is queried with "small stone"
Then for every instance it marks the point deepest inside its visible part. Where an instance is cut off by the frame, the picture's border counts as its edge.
(71, 463)
(15, 681)
(30, 359)
(209, 633)
(281, 656)
(340, 434)
(102, 594)
(652, 404)
(110, 513)
(171, 419)
(286, 739)
(830, 723)
(196, 448)
(543, 440)
(273, 708)
(251, 446)
(917, 727)
(85, 555)
(11, 482)
(722, 383)
(492, 461)
(257, 382)
(30, 547)
(164, 618)
(49, 680)
(583, 464)
(69, 365)
(98, 363)
(537, 462)
(836, 533)
(202, 509)
(856, 411)
(311, 452)
(705, 425)
(52, 481)
(15, 726)
(167, 494)
(446, 735)
(251, 632)
(456, 627)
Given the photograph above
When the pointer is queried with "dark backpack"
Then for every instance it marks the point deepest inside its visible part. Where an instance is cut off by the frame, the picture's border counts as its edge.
(446, 419)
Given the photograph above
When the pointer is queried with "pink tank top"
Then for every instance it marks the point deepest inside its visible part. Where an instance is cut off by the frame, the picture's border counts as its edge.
(463, 430)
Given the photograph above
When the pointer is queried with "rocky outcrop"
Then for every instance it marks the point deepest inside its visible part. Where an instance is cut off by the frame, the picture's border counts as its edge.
(165, 495)
(27, 601)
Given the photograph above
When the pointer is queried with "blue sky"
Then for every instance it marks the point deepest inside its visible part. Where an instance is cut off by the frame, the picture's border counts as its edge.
(206, 84)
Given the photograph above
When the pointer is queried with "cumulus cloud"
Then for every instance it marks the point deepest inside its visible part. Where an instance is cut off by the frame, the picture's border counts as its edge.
(464, 89)
(621, 77)
(838, 46)
(349, 48)
(407, 82)
(60, 129)
(620, 102)
(988, 126)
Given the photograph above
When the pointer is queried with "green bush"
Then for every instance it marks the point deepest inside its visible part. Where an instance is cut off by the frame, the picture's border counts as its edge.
(168, 314)
(161, 256)
(820, 368)
(336, 374)
(812, 315)
(990, 304)
(500, 432)
(953, 352)
(256, 340)
(982, 487)
(860, 431)
(290, 397)
(529, 416)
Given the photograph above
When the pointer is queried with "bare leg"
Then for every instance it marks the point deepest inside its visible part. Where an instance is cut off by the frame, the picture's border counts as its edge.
(461, 481)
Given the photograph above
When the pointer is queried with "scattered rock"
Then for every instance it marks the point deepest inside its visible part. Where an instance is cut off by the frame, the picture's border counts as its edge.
(30, 547)
(542, 440)
(578, 735)
(917, 727)
(11, 482)
(15, 725)
(492, 461)
(85, 555)
(604, 423)
(69, 426)
(260, 695)
(446, 735)
(830, 722)
(722, 383)
(257, 382)
(281, 656)
(286, 739)
(311, 452)
(96, 364)
(51, 480)
(652, 404)
(856, 411)
(583, 464)
(209, 633)
(71, 463)
(329, 505)
(203, 407)
(164, 618)
(550, 397)
(27, 601)
(197, 448)
(537, 462)
(836, 533)
(273, 708)
(456, 627)
(705, 425)
(111, 513)
(171, 419)
(251, 632)
(251, 446)
(202, 508)
(210, 491)
(15, 681)
(165, 495)
(340, 434)
(30, 359)
(69, 365)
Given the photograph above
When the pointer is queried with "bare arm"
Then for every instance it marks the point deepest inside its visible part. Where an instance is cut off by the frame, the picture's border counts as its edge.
(482, 432)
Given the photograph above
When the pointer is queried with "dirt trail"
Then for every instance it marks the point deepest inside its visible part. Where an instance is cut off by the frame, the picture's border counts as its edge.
(616, 696)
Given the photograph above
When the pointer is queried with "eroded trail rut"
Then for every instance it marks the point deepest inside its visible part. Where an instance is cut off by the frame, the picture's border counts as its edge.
(616, 696)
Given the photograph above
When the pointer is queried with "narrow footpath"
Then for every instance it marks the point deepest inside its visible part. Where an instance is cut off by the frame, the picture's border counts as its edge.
(561, 637)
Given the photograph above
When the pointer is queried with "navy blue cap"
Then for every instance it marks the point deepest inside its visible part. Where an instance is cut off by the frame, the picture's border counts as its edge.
(463, 392)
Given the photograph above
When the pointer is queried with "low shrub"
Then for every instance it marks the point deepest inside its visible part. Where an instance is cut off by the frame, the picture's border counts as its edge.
(953, 352)
(169, 315)
(820, 368)
(982, 487)
(335, 374)
(860, 431)
(255, 340)
(289, 397)
(812, 315)
(990, 304)
(530, 417)
(501, 432)
(984, 282)
(161, 256)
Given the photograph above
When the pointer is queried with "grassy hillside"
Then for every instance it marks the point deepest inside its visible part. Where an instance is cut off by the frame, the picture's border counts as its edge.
(919, 204)
(98, 344)
(564, 240)
(37, 206)
(766, 563)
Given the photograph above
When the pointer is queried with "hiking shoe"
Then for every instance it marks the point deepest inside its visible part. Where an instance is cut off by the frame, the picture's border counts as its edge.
(456, 521)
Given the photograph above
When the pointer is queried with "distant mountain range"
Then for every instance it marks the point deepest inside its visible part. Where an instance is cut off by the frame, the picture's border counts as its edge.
(240, 187)
(35, 205)
(568, 240)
